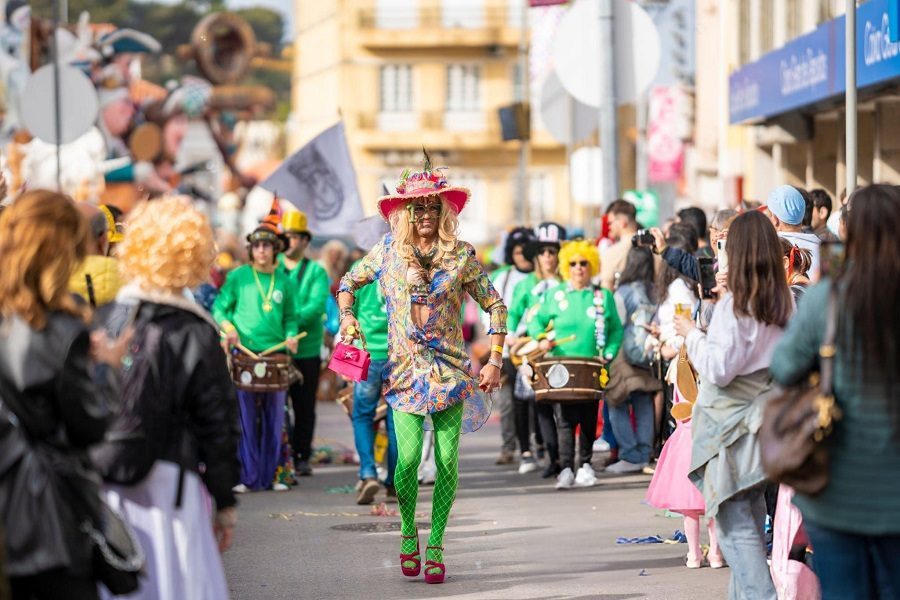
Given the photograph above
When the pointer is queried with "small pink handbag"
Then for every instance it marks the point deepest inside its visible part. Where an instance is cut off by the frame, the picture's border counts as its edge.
(350, 361)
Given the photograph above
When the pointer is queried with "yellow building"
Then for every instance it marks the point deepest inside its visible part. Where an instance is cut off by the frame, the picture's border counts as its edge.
(403, 74)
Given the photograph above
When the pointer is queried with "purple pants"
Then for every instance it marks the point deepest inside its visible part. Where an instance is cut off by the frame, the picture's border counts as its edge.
(262, 419)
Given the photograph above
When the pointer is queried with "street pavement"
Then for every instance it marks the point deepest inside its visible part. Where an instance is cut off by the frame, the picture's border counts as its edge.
(510, 536)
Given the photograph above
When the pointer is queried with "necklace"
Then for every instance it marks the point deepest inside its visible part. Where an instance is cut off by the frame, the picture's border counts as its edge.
(426, 259)
(266, 297)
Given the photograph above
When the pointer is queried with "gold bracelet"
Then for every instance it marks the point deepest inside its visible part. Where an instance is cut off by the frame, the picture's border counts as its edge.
(497, 349)
(227, 327)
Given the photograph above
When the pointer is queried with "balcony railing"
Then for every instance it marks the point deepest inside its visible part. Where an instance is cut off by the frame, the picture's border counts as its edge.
(438, 17)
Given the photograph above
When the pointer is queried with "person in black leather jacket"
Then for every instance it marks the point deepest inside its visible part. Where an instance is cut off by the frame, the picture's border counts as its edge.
(56, 387)
(178, 397)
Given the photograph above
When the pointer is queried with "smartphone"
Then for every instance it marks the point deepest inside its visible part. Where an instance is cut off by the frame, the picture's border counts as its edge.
(707, 277)
(721, 255)
(831, 259)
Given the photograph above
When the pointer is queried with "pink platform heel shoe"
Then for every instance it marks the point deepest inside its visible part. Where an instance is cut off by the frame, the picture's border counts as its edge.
(433, 564)
(415, 557)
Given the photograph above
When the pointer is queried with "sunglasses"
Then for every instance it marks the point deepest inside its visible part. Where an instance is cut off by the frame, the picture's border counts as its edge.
(432, 209)
(550, 251)
(578, 263)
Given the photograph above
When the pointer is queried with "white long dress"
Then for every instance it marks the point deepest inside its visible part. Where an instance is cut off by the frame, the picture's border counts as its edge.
(183, 561)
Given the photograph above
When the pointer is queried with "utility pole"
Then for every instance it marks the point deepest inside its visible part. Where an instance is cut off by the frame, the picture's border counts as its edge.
(521, 203)
(609, 135)
(850, 153)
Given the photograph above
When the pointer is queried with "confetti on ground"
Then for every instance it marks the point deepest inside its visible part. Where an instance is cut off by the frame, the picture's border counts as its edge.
(643, 573)
(381, 510)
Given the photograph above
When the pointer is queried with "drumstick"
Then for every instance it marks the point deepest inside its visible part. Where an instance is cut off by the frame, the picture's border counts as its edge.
(242, 348)
(281, 345)
(565, 340)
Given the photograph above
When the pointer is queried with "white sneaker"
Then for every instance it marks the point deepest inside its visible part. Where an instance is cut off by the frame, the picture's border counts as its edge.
(528, 464)
(623, 466)
(427, 473)
(601, 445)
(240, 489)
(585, 476)
(280, 487)
(565, 480)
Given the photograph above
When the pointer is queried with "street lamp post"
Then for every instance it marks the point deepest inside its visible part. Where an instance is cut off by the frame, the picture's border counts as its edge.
(850, 154)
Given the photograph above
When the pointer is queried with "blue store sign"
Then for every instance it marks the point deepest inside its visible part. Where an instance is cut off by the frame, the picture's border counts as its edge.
(810, 68)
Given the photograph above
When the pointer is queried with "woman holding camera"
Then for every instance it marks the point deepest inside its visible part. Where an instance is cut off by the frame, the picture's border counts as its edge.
(732, 359)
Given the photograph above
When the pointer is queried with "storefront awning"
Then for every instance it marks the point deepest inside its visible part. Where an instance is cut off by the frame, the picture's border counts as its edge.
(810, 69)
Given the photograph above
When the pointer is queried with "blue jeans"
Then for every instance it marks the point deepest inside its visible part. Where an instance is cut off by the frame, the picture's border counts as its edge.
(365, 400)
(607, 433)
(634, 446)
(855, 566)
(740, 524)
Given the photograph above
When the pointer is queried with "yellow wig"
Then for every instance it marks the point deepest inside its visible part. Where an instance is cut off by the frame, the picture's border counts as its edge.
(168, 245)
(578, 249)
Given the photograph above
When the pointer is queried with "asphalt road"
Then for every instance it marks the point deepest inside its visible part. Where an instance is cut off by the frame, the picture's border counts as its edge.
(510, 536)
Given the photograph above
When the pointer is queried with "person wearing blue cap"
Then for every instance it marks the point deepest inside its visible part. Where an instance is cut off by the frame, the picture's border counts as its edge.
(785, 209)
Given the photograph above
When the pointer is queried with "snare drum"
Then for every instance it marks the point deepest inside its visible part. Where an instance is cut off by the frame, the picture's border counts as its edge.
(567, 379)
(272, 373)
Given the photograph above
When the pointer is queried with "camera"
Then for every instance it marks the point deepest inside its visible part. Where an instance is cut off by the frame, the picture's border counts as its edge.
(643, 238)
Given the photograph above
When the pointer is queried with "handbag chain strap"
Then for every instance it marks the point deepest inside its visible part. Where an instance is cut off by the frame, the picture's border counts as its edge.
(825, 405)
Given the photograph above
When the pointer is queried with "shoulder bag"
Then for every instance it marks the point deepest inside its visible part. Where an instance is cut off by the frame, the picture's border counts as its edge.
(797, 422)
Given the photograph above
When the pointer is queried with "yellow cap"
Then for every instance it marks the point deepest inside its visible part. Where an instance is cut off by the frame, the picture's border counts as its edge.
(295, 220)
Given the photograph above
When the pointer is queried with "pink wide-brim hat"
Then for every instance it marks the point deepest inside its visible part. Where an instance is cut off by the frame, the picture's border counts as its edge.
(423, 184)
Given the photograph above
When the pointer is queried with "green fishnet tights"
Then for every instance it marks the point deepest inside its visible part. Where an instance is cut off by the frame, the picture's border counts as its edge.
(408, 427)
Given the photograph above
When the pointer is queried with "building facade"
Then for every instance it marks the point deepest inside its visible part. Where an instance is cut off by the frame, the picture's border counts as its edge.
(771, 82)
(403, 74)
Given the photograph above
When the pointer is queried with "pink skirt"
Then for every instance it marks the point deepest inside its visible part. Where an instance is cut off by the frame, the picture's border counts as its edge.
(670, 487)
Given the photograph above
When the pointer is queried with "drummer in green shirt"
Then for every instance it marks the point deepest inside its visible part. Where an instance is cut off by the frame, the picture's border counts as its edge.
(310, 282)
(588, 315)
(257, 309)
(527, 296)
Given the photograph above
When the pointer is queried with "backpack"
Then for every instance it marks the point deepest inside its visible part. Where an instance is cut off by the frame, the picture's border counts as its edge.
(639, 312)
(144, 423)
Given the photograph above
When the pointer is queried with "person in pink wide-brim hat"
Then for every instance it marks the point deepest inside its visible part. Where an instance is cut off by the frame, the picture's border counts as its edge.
(424, 272)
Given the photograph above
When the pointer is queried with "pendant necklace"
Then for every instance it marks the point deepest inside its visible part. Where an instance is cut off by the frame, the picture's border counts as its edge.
(266, 297)
(426, 259)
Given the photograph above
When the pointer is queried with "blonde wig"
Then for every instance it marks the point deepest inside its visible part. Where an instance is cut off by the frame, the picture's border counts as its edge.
(404, 233)
(43, 238)
(580, 248)
(168, 245)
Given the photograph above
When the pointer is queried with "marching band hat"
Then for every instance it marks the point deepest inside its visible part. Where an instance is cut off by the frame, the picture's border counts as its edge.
(520, 236)
(547, 234)
(295, 221)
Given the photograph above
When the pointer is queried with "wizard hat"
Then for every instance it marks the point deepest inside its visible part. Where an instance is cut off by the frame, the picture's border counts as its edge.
(269, 229)
(429, 181)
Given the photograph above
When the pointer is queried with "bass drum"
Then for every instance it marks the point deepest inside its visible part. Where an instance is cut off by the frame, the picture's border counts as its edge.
(568, 379)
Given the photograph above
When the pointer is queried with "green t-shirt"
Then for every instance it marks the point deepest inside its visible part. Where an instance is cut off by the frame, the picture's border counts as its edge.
(311, 293)
(520, 301)
(240, 302)
(573, 313)
(371, 312)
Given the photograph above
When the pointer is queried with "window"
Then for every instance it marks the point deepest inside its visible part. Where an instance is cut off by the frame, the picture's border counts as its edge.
(396, 88)
(468, 14)
(463, 88)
